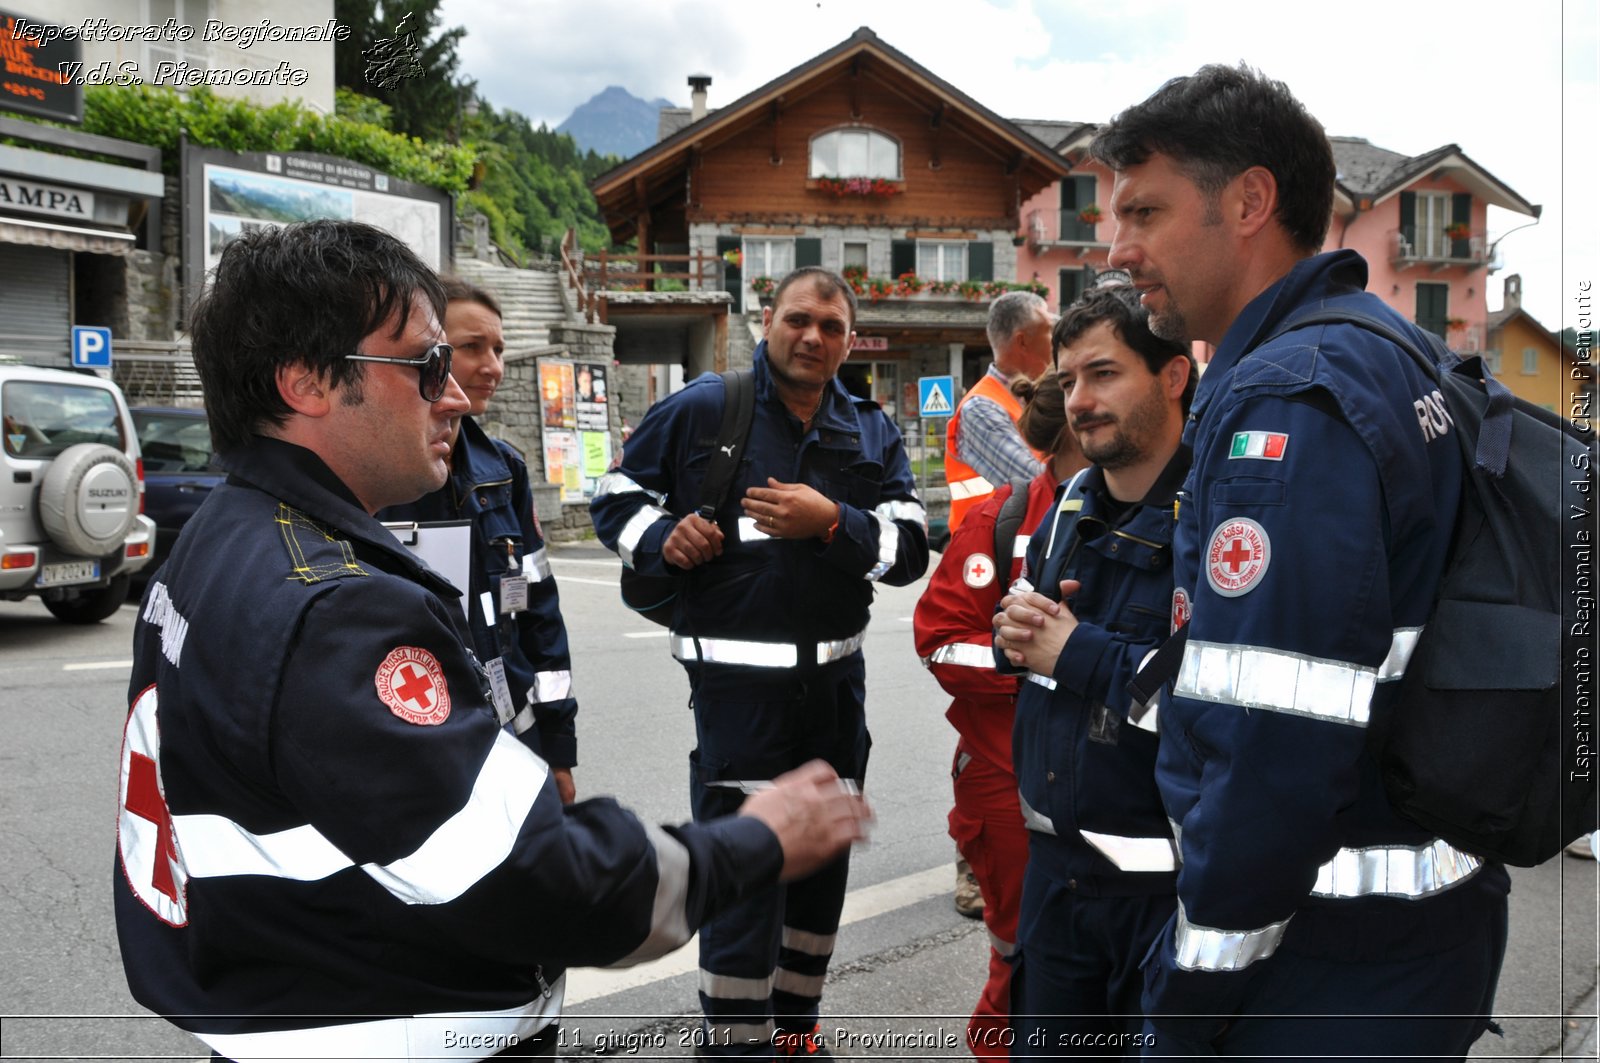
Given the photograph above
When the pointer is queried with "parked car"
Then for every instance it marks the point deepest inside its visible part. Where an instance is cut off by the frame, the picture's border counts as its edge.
(178, 471)
(72, 530)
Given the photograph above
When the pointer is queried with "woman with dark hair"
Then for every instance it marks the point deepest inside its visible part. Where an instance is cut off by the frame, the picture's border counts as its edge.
(955, 639)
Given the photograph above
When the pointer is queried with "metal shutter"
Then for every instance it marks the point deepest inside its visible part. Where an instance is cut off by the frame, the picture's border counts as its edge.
(36, 301)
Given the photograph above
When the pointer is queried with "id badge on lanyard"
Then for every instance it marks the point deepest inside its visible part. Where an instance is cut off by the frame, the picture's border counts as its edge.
(513, 584)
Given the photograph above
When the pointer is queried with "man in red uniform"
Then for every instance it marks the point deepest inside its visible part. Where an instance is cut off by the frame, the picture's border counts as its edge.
(954, 637)
(983, 448)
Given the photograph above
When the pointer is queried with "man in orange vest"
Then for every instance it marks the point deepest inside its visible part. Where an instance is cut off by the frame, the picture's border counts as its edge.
(983, 448)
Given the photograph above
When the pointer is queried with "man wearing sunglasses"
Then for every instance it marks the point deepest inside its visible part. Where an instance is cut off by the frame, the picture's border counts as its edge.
(327, 846)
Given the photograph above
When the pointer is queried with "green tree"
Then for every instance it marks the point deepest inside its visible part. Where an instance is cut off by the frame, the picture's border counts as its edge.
(428, 104)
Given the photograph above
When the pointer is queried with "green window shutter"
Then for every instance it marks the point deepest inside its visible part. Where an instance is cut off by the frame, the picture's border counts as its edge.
(807, 251)
(1069, 194)
(1461, 214)
(1086, 190)
(902, 257)
(1071, 285)
(1433, 307)
(980, 261)
(1408, 219)
(732, 276)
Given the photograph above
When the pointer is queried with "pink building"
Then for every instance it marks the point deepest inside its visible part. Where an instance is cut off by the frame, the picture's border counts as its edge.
(1066, 229)
(1421, 222)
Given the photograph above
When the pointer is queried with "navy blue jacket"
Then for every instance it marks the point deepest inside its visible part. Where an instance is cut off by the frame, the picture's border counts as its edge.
(1085, 771)
(1311, 536)
(321, 816)
(761, 589)
(489, 486)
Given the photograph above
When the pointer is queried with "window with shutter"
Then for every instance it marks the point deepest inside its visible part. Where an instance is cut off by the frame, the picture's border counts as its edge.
(1077, 194)
(980, 261)
(939, 260)
(1433, 307)
(1433, 217)
(902, 257)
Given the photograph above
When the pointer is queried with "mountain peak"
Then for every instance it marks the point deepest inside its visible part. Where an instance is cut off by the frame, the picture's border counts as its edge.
(614, 122)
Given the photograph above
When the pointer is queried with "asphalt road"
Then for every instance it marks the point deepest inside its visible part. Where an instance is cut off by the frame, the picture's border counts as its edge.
(907, 967)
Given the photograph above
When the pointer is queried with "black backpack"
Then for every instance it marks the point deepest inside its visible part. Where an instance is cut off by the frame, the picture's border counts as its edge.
(1490, 742)
(652, 597)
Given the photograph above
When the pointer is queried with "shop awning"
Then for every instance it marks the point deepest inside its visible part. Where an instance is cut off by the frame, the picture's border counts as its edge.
(64, 237)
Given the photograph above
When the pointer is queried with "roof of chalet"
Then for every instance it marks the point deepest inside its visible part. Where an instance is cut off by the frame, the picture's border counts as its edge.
(614, 187)
(1366, 173)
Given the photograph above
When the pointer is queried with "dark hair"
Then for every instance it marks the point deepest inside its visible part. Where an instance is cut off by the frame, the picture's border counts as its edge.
(457, 290)
(829, 285)
(307, 293)
(1044, 410)
(1219, 122)
(1119, 305)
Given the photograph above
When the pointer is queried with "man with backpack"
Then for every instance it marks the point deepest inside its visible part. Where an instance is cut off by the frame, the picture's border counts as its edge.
(775, 582)
(1311, 536)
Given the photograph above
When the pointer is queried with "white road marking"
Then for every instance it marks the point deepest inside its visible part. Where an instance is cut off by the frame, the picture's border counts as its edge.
(594, 582)
(659, 633)
(614, 562)
(88, 666)
(587, 983)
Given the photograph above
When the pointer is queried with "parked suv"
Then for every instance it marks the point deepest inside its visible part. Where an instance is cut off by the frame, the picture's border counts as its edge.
(71, 493)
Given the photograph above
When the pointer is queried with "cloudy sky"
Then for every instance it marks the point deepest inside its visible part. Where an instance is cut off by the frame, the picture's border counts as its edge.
(1497, 78)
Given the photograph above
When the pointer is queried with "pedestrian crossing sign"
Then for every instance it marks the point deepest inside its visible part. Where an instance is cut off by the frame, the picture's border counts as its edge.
(935, 396)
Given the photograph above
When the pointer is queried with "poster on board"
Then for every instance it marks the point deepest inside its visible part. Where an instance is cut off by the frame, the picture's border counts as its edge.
(228, 193)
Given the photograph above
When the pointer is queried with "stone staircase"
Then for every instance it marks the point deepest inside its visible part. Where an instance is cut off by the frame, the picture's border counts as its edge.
(531, 299)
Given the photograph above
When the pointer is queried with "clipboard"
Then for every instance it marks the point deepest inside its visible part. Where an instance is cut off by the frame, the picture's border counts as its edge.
(444, 546)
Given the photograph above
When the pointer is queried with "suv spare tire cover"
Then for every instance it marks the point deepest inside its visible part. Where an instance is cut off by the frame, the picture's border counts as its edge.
(89, 499)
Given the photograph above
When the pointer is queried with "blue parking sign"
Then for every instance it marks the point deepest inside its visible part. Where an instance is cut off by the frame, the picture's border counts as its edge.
(91, 347)
(936, 396)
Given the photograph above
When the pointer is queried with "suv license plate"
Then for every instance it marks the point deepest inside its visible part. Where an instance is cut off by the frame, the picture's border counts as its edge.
(70, 572)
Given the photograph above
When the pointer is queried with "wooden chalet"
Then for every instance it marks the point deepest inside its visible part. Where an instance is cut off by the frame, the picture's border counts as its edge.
(859, 159)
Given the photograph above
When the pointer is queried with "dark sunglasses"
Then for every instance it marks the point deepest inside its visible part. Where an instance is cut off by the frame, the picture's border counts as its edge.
(433, 368)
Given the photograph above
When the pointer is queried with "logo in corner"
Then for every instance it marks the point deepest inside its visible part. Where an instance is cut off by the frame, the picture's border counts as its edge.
(412, 684)
(1237, 557)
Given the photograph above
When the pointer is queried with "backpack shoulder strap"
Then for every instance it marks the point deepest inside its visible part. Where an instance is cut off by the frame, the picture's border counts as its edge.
(1006, 523)
(738, 413)
(1494, 437)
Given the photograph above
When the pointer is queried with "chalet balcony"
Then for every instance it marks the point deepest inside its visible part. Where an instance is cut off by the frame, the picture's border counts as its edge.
(1064, 230)
(1437, 249)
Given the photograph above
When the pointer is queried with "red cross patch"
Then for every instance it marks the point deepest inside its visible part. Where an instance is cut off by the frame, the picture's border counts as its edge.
(978, 571)
(1180, 608)
(412, 684)
(1237, 557)
(152, 863)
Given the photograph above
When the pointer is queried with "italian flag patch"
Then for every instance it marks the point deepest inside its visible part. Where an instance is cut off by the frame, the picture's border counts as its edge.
(1268, 445)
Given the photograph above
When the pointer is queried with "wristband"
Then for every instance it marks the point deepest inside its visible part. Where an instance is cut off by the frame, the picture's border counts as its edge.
(838, 514)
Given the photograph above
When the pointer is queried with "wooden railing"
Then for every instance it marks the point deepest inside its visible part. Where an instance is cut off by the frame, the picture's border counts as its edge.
(591, 276)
